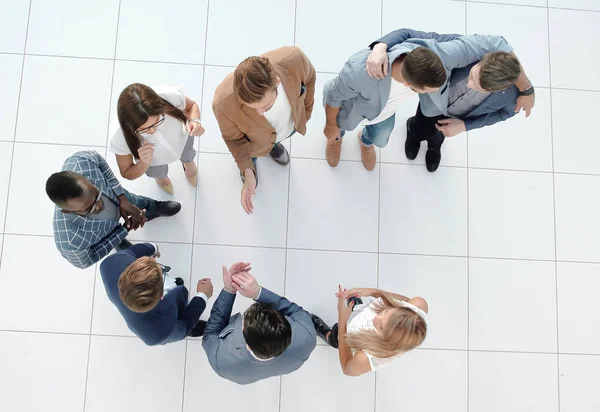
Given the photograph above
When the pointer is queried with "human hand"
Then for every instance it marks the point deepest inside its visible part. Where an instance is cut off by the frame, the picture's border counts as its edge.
(358, 292)
(235, 268)
(377, 62)
(332, 131)
(194, 128)
(133, 217)
(450, 127)
(248, 191)
(145, 152)
(526, 103)
(205, 286)
(246, 285)
(343, 310)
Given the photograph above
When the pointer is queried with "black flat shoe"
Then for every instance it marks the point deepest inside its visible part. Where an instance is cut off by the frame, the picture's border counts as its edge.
(179, 281)
(198, 329)
(280, 154)
(163, 209)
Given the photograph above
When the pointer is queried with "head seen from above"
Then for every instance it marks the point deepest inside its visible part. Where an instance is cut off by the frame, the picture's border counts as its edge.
(266, 331)
(399, 329)
(255, 83)
(73, 193)
(141, 285)
(140, 111)
(495, 72)
(422, 70)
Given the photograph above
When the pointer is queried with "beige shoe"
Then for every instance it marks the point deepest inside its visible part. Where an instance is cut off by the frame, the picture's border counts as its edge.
(192, 179)
(168, 187)
(333, 151)
(367, 154)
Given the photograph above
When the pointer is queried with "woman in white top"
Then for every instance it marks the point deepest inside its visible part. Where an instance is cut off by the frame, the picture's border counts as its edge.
(371, 335)
(155, 127)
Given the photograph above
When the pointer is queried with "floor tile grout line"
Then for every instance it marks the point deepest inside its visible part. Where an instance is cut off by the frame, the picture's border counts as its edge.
(498, 3)
(191, 273)
(468, 253)
(12, 156)
(554, 209)
(342, 160)
(96, 268)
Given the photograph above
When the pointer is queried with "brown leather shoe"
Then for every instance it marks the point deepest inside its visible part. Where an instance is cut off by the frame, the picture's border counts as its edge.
(333, 151)
(367, 154)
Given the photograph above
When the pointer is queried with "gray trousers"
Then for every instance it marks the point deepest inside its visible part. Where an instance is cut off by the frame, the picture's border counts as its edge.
(187, 155)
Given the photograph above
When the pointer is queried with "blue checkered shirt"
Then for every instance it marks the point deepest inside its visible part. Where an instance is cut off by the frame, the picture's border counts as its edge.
(83, 241)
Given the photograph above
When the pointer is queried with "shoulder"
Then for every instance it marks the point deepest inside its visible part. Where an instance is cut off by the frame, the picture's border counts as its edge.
(224, 94)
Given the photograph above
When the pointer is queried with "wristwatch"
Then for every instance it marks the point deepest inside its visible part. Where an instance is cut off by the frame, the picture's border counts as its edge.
(527, 92)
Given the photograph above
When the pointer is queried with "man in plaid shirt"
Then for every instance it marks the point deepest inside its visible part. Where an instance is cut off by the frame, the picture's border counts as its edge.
(89, 205)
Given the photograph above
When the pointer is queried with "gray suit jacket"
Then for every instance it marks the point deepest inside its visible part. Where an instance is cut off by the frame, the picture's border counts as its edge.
(226, 349)
(360, 96)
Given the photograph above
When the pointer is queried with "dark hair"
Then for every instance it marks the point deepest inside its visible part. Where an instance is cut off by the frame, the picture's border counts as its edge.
(136, 104)
(499, 71)
(253, 78)
(423, 68)
(266, 331)
(63, 186)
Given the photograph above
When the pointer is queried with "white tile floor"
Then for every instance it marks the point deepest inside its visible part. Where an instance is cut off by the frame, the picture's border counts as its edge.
(503, 241)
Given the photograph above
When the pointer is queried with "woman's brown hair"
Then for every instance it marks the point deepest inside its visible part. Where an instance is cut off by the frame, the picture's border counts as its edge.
(404, 331)
(136, 104)
(253, 78)
(141, 286)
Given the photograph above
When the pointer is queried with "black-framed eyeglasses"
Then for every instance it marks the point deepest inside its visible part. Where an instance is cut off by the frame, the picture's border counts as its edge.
(95, 205)
(158, 123)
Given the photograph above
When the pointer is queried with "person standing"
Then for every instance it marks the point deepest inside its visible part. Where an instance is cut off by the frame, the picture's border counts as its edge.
(369, 336)
(155, 127)
(90, 203)
(266, 100)
(271, 338)
(154, 304)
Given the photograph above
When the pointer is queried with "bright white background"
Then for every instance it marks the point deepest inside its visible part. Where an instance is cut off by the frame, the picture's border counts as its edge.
(503, 241)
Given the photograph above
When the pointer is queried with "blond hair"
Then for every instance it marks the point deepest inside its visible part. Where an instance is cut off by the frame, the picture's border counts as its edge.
(404, 331)
(253, 78)
(141, 286)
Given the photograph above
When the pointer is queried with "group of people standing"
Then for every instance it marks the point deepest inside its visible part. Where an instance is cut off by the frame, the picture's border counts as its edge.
(463, 83)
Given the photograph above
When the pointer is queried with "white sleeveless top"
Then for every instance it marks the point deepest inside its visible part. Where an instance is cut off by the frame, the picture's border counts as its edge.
(362, 319)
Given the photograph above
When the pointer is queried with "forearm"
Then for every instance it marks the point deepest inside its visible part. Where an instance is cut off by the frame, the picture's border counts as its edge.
(220, 313)
(331, 115)
(344, 351)
(135, 171)
(104, 247)
(193, 112)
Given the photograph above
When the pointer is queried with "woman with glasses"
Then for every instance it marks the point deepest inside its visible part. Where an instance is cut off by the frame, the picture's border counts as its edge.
(155, 127)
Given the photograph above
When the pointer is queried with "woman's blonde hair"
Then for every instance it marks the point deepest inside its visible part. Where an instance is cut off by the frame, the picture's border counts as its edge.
(404, 331)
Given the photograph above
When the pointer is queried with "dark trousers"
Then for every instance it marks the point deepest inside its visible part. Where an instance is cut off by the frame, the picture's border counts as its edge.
(423, 128)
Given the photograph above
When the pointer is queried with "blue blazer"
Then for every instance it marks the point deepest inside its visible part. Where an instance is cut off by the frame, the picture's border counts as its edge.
(171, 320)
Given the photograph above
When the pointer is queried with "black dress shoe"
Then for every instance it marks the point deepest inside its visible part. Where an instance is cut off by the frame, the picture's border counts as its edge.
(321, 327)
(179, 281)
(412, 144)
(125, 244)
(198, 330)
(432, 159)
(280, 154)
(162, 209)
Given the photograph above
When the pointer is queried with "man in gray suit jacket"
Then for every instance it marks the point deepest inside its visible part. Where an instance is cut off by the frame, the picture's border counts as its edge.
(482, 93)
(273, 337)
(357, 93)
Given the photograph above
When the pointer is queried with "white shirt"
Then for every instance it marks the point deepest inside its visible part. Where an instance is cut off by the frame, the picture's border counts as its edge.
(170, 137)
(398, 92)
(280, 115)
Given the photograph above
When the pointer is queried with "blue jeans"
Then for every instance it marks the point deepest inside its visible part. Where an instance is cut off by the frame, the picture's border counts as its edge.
(377, 134)
(142, 202)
